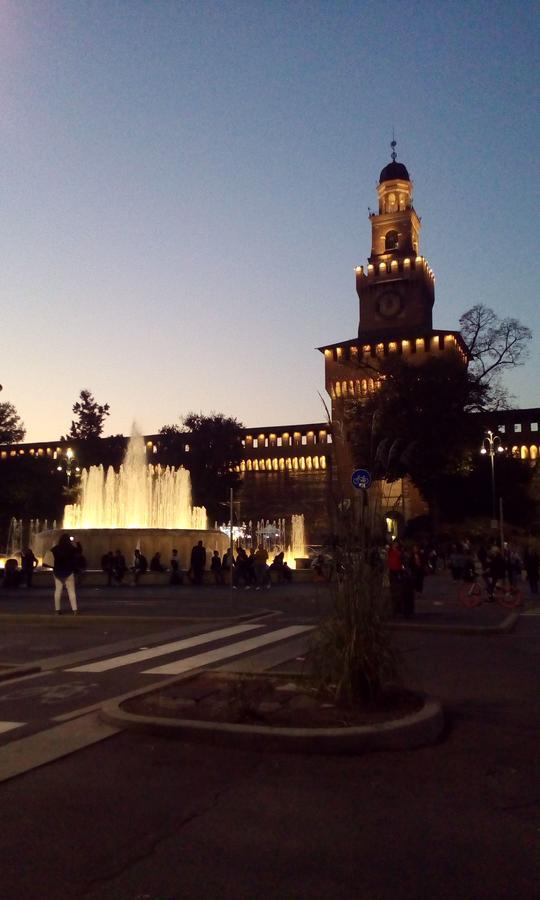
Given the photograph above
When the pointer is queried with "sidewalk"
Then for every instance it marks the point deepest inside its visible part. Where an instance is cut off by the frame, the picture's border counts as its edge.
(437, 607)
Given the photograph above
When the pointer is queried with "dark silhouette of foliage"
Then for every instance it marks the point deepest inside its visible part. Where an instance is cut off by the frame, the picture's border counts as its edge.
(211, 448)
(90, 418)
(419, 423)
(12, 429)
(31, 487)
(495, 345)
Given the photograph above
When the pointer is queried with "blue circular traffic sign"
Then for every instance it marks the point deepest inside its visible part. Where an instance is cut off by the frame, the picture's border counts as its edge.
(361, 479)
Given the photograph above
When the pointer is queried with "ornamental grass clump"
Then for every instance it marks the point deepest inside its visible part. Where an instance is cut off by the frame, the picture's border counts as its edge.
(351, 652)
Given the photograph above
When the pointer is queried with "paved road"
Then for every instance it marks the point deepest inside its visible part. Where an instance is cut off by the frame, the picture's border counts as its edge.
(53, 711)
(140, 818)
(135, 817)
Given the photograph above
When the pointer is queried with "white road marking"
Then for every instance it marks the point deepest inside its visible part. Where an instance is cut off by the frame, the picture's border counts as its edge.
(37, 749)
(141, 655)
(9, 726)
(531, 612)
(211, 656)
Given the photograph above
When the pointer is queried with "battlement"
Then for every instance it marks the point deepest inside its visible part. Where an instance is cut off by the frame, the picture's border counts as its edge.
(390, 268)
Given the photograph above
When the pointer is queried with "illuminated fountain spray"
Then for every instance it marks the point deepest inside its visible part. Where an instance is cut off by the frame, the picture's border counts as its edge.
(298, 538)
(138, 496)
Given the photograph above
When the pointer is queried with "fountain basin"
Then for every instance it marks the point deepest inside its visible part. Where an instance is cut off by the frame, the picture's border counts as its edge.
(96, 542)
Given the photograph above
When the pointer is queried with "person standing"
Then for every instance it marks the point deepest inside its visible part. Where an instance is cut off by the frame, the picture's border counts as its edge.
(119, 566)
(532, 565)
(64, 568)
(198, 562)
(216, 568)
(262, 576)
(176, 572)
(395, 575)
(28, 564)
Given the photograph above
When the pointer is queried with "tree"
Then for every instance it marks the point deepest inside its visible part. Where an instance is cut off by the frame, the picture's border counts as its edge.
(211, 448)
(90, 418)
(30, 487)
(12, 428)
(418, 423)
(495, 345)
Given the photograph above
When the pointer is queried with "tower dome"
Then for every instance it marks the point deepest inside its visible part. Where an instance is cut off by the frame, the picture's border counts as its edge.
(394, 171)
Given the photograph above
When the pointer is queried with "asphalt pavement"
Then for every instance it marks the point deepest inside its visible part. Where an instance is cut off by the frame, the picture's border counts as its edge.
(136, 817)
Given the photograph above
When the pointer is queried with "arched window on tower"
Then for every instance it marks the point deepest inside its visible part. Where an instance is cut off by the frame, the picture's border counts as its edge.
(391, 240)
(391, 203)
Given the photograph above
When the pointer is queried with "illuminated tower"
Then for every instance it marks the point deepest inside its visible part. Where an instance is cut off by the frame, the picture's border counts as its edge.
(396, 290)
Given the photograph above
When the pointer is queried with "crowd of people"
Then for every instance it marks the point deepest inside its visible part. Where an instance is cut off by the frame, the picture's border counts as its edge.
(250, 569)
(405, 565)
(465, 560)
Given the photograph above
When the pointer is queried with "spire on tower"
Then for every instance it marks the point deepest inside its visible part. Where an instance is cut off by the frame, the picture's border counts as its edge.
(393, 146)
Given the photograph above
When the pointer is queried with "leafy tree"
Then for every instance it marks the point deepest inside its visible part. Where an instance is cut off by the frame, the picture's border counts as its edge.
(90, 418)
(31, 487)
(471, 492)
(418, 423)
(12, 429)
(495, 345)
(214, 450)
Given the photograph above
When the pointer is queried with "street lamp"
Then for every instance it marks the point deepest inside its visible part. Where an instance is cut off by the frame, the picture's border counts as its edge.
(492, 445)
(70, 457)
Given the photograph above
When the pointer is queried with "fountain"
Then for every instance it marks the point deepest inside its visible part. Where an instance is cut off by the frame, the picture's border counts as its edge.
(141, 506)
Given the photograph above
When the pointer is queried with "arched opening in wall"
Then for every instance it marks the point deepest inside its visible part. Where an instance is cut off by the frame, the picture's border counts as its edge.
(281, 464)
(255, 465)
(391, 203)
(364, 386)
(308, 463)
(515, 451)
(343, 388)
(534, 452)
(524, 452)
(302, 463)
(315, 462)
(295, 463)
(288, 464)
(322, 462)
(371, 385)
(351, 388)
(249, 465)
(338, 389)
(391, 240)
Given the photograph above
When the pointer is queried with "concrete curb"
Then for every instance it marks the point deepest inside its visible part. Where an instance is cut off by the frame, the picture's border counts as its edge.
(416, 730)
(68, 620)
(505, 627)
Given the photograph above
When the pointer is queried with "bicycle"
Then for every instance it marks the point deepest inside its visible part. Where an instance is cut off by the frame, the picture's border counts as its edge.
(474, 593)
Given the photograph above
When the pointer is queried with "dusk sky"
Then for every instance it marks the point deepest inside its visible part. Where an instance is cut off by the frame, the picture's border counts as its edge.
(184, 192)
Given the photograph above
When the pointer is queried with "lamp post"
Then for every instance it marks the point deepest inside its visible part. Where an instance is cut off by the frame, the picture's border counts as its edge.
(492, 445)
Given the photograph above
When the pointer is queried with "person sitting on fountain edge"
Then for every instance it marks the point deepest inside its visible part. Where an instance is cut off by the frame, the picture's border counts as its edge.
(140, 566)
(155, 563)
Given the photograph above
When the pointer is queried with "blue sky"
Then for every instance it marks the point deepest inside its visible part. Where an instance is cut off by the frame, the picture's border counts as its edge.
(184, 191)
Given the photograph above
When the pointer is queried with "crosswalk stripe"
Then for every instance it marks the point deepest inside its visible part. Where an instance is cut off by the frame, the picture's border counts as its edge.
(9, 726)
(211, 656)
(185, 644)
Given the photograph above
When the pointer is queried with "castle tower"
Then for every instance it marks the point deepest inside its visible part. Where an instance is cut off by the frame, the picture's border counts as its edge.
(396, 290)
